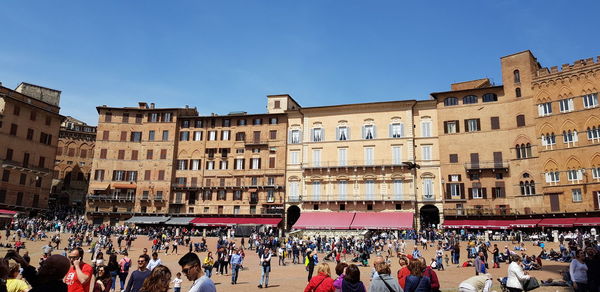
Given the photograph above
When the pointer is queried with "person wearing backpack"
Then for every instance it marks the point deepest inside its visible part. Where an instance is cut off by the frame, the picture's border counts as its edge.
(124, 264)
(322, 282)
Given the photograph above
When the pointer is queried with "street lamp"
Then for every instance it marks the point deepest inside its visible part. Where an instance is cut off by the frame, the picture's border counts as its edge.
(413, 168)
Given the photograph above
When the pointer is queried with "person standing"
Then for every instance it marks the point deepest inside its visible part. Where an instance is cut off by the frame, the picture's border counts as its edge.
(322, 282)
(236, 264)
(578, 271)
(516, 276)
(416, 281)
(382, 280)
(157, 281)
(79, 275)
(208, 264)
(155, 261)
(138, 276)
(265, 262)
(192, 269)
(496, 255)
(177, 283)
(311, 262)
(124, 265)
(480, 264)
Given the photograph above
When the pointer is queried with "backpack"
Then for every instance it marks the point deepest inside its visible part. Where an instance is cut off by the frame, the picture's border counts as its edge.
(126, 266)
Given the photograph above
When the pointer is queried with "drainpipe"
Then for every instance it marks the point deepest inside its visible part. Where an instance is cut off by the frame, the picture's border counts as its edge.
(414, 166)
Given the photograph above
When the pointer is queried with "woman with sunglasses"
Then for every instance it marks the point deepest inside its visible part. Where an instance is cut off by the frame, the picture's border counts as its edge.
(103, 280)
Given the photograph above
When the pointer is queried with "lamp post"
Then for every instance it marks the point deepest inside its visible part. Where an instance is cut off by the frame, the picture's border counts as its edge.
(413, 168)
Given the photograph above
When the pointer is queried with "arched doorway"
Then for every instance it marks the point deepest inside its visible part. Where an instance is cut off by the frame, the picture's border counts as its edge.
(293, 213)
(430, 216)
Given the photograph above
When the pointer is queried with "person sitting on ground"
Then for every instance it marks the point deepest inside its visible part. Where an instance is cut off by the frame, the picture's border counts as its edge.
(322, 281)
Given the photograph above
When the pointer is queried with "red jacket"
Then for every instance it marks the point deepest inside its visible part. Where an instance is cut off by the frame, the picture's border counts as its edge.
(435, 283)
(320, 283)
(402, 274)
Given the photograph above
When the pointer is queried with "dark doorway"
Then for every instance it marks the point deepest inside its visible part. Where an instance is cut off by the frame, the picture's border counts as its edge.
(430, 216)
(293, 213)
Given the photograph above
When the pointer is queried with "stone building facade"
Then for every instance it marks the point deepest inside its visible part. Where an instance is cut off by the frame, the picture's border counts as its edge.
(353, 158)
(73, 163)
(29, 130)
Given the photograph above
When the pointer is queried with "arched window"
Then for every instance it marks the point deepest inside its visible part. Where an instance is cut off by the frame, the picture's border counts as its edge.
(489, 97)
(450, 101)
(528, 150)
(526, 175)
(518, 92)
(518, 150)
(527, 188)
(469, 99)
(517, 76)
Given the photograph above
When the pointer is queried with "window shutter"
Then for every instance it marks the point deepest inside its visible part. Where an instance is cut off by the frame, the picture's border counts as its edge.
(596, 198)
(449, 177)
(271, 162)
(548, 178)
(495, 121)
(337, 133)
(363, 132)
(575, 137)
(448, 194)
(445, 127)
(259, 163)
(322, 134)
(470, 190)
(494, 193)
(289, 137)
(466, 125)
(571, 105)
(300, 137)
(390, 131)
(457, 126)
(462, 191)
(312, 135)
(401, 130)
(347, 133)
(478, 125)
(484, 191)
(374, 132)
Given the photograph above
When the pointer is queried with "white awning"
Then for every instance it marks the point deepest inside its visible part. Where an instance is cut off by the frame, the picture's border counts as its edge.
(147, 219)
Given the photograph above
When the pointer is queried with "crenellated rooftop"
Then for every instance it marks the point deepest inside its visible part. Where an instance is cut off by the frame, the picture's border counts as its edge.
(579, 64)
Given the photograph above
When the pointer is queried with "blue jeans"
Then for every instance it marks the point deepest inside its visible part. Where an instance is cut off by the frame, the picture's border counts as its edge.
(208, 272)
(264, 275)
(113, 276)
(122, 277)
(235, 269)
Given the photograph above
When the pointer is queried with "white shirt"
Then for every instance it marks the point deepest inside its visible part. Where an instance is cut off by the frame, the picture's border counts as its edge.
(153, 263)
(176, 283)
(203, 284)
(516, 276)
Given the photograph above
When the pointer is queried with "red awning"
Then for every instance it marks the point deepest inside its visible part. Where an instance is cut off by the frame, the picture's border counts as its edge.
(324, 220)
(590, 221)
(557, 222)
(124, 186)
(231, 221)
(525, 223)
(477, 224)
(382, 220)
(7, 212)
(452, 224)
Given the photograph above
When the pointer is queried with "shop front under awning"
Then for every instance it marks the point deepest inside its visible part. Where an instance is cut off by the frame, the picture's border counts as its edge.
(180, 221)
(147, 219)
(525, 223)
(590, 221)
(454, 224)
(557, 222)
(477, 224)
(382, 220)
(232, 221)
(324, 220)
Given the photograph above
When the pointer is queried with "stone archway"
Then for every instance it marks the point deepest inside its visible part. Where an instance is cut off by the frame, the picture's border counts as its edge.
(293, 213)
(430, 216)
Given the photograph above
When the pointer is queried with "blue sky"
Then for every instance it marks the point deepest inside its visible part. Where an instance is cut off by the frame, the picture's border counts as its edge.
(223, 56)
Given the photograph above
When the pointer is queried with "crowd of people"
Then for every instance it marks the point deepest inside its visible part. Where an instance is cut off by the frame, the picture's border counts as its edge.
(96, 258)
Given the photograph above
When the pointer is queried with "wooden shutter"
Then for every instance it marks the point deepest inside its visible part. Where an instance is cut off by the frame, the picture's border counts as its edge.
(475, 160)
(494, 193)
(134, 155)
(554, 203)
(596, 198)
(256, 136)
(163, 153)
(271, 162)
(161, 175)
(149, 154)
(457, 126)
(470, 190)
(445, 127)
(484, 192)
(103, 153)
(498, 159)
(462, 191)
(520, 120)
(478, 125)
(495, 121)
(123, 136)
(453, 158)
(121, 155)
(105, 135)
(448, 194)
(147, 174)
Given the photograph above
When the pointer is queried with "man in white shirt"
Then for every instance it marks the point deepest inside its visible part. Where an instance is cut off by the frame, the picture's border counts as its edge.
(155, 261)
(192, 269)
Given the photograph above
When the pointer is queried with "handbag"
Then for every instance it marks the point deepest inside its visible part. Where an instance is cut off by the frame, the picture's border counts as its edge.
(531, 284)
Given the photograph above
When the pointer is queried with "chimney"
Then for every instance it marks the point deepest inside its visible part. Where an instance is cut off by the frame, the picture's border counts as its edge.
(142, 105)
(152, 105)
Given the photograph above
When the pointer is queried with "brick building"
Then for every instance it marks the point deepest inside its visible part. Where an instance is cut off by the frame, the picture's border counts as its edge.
(173, 162)
(568, 132)
(29, 130)
(73, 163)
